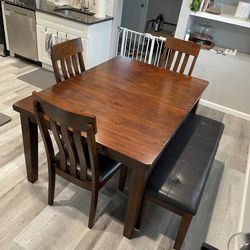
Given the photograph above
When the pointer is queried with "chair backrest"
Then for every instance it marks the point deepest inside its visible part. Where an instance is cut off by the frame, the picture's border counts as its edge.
(176, 55)
(69, 54)
(74, 135)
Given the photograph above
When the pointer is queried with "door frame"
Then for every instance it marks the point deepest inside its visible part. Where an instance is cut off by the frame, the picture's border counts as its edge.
(144, 17)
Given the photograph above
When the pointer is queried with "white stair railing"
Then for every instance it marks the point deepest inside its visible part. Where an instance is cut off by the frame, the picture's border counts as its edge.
(142, 47)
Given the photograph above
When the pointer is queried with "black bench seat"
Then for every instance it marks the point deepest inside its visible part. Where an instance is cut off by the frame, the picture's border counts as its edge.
(179, 176)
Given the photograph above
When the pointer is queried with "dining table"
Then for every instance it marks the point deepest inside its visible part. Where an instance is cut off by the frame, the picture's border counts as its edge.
(138, 108)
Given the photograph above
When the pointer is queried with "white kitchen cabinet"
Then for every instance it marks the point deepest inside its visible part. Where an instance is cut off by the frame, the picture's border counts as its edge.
(95, 38)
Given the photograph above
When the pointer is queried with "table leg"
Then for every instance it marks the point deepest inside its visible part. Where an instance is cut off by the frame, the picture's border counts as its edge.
(193, 110)
(30, 144)
(136, 190)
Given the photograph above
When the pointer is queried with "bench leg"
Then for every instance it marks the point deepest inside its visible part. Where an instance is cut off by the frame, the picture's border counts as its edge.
(183, 228)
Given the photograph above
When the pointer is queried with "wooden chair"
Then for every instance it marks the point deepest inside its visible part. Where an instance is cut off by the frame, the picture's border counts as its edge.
(77, 160)
(182, 49)
(69, 54)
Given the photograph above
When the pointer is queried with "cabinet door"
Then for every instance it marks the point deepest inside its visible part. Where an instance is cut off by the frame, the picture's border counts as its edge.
(70, 36)
(43, 55)
(62, 36)
(40, 30)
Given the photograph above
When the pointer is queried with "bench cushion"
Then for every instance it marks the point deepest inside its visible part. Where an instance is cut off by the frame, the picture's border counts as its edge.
(181, 172)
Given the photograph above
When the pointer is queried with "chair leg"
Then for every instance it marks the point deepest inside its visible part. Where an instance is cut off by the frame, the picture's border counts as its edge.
(123, 177)
(52, 180)
(183, 228)
(141, 213)
(93, 206)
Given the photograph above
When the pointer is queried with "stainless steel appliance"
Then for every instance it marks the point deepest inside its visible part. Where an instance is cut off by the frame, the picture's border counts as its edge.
(21, 28)
(3, 50)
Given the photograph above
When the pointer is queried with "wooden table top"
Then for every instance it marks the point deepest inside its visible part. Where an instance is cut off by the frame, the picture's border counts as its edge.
(138, 107)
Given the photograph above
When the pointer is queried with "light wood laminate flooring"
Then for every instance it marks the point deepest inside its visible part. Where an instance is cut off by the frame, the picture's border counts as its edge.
(27, 222)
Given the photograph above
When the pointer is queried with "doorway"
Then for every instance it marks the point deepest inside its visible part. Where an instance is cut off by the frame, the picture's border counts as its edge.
(136, 14)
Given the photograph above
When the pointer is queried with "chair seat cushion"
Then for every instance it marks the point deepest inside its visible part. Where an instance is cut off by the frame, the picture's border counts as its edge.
(180, 174)
(107, 167)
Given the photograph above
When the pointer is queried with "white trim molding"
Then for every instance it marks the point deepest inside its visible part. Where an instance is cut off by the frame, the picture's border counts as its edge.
(225, 109)
(244, 221)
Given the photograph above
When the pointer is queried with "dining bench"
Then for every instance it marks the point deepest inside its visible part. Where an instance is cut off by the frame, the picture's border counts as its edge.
(178, 179)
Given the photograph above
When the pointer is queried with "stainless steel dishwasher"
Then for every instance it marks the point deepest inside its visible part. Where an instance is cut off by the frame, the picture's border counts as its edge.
(21, 29)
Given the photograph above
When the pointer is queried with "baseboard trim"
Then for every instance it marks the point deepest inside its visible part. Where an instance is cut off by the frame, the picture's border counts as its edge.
(244, 220)
(225, 109)
(47, 66)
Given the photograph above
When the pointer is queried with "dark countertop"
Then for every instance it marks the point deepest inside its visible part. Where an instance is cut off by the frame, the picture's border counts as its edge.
(49, 8)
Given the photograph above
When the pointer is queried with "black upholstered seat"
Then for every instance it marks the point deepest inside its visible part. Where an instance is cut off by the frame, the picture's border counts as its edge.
(181, 173)
(107, 166)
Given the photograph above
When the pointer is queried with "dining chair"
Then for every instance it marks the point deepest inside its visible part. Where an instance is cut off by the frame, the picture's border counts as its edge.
(176, 55)
(77, 159)
(69, 54)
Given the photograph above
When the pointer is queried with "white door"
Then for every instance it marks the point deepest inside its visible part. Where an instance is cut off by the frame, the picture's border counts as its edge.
(134, 14)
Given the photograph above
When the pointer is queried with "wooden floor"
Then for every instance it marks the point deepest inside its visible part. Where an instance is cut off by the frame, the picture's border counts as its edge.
(27, 222)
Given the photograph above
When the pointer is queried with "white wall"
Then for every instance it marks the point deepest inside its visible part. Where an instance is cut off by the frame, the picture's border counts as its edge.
(183, 19)
(229, 79)
(114, 8)
(229, 82)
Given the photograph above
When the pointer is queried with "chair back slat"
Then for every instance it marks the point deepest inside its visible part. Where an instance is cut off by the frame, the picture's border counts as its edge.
(81, 61)
(177, 61)
(173, 53)
(64, 70)
(192, 66)
(67, 53)
(184, 64)
(70, 131)
(92, 152)
(171, 57)
(57, 72)
(75, 64)
(60, 144)
(81, 154)
(69, 145)
(69, 66)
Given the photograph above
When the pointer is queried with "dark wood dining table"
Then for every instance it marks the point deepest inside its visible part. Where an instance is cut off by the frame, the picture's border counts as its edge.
(138, 108)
